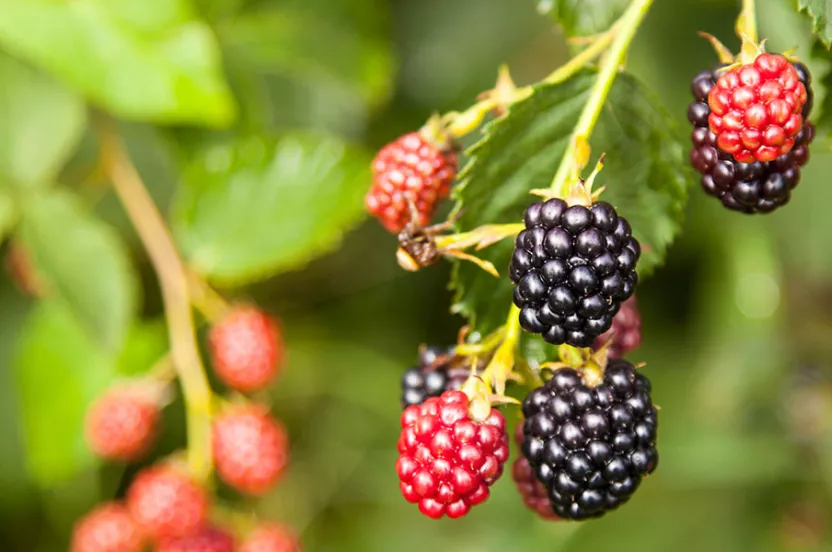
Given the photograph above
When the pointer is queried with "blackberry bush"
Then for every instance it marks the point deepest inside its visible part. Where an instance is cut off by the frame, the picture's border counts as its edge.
(591, 446)
(754, 187)
(572, 267)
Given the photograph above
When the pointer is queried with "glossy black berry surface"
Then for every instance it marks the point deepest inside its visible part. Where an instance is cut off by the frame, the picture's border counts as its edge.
(745, 187)
(438, 371)
(572, 267)
(591, 446)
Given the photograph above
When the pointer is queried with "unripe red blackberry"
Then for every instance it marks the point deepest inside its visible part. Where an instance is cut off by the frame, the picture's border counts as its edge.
(271, 538)
(572, 267)
(123, 422)
(166, 503)
(591, 446)
(439, 370)
(625, 333)
(246, 348)
(251, 449)
(746, 187)
(411, 168)
(205, 539)
(534, 494)
(447, 461)
(108, 528)
(756, 109)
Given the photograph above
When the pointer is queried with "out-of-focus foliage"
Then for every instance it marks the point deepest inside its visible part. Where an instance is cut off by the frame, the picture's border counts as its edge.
(736, 321)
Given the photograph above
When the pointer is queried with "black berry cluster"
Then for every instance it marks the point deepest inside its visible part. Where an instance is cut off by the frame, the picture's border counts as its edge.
(591, 447)
(438, 371)
(572, 266)
(746, 187)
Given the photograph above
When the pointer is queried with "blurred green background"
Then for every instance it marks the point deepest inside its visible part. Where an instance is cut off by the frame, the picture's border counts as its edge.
(737, 324)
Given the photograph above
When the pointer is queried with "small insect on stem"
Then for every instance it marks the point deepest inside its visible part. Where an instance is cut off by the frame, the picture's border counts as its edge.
(417, 247)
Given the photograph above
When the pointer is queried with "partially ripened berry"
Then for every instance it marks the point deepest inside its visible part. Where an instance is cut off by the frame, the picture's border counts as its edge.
(122, 424)
(625, 333)
(251, 448)
(166, 503)
(411, 168)
(271, 538)
(756, 109)
(205, 539)
(746, 187)
(572, 267)
(108, 528)
(534, 494)
(591, 446)
(439, 370)
(246, 348)
(447, 461)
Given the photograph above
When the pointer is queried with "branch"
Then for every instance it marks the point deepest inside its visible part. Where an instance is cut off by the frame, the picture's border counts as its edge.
(173, 281)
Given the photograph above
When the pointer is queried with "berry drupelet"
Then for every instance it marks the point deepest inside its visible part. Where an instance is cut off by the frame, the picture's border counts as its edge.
(572, 267)
(756, 109)
(534, 494)
(591, 446)
(447, 460)
(755, 187)
(438, 371)
(410, 169)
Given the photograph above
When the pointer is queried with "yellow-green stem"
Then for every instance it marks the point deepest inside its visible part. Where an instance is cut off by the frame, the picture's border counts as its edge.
(173, 281)
(748, 20)
(464, 122)
(625, 30)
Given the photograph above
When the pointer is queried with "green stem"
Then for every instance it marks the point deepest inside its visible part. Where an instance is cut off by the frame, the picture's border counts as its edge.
(173, 281)
(626, 28)
(748, 20)
(461, 123)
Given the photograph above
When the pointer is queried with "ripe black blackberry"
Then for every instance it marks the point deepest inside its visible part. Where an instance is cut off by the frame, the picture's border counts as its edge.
(745, 187)
(591, 446)
(438, 371)
(572, 266)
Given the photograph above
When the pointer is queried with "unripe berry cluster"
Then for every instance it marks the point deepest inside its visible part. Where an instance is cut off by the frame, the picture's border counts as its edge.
(164, 506)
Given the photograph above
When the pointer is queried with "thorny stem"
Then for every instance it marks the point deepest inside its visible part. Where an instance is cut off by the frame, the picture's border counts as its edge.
(173, 281)
(625, 28)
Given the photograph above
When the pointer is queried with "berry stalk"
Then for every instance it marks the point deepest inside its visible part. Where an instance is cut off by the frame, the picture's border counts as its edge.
(625, 29)
(173, 281)
(747, 21)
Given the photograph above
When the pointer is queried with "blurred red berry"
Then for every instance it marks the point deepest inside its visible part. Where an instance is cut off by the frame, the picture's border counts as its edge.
(246, 349)
(625, 331)
(108, 528)
(447, 461)
(250, 449)
(532, 491)
(410, 168)
(122, 424)
(271, 538)
(166, 503)
(206, 539)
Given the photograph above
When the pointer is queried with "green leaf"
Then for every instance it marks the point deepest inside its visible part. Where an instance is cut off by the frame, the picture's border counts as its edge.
(59, 370)
(8, 214)
(40, 125)
(583, 17)
(644, 176)
(820, 11)
(141, 60)
(253, 208)
(84, 262)
(332, 75)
